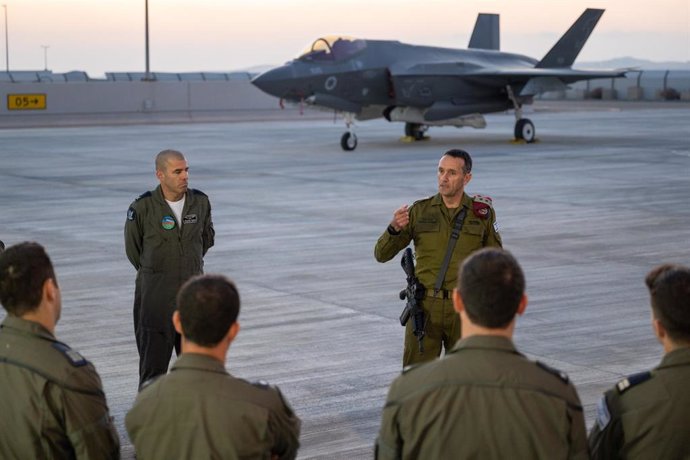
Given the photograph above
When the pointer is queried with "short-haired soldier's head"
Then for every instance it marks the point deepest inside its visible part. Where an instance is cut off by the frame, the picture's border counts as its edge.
(208, 305)
(491, 285)
(463, 155)
(24, 269)
(669, 289)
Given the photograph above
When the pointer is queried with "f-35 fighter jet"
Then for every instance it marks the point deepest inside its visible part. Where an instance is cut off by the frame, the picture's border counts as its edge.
(426, 86)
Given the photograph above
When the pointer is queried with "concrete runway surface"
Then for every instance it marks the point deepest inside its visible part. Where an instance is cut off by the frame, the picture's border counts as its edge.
(588, 211)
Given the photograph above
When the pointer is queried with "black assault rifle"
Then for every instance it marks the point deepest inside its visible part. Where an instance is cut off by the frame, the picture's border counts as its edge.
(414, 293)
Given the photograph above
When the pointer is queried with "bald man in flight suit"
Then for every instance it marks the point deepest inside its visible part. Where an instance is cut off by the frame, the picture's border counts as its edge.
(167, 233)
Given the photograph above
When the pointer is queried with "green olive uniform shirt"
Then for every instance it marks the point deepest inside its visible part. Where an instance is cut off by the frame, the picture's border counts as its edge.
(647, 415)
(199, 411)
(52, 404)
(483, 400)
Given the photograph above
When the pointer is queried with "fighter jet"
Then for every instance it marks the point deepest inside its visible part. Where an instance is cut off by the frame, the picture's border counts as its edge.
(426, 86)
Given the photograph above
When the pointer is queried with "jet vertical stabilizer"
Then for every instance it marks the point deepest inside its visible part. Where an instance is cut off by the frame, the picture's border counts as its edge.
(486, 33)
(565, 51)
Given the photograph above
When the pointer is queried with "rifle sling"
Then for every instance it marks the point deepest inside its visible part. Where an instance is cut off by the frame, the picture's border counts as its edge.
(454, 235)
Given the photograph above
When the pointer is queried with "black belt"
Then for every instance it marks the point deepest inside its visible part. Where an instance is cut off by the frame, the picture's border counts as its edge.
(441, 294)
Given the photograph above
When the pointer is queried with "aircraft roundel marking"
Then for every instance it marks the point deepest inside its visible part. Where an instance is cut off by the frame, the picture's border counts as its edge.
(331, 82)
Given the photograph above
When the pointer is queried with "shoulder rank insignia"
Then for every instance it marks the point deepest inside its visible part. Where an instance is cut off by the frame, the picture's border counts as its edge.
(481, 206)
(632, 380)
(72, 356)
(150, 381)
(143, 195)
(560, 374)
(264, 385)
(197, 192)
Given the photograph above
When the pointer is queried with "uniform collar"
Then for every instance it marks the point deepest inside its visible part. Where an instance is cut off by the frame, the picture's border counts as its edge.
(26, 326)
(466, 201)
(486, 342)
(158, 193)
(199, 362)
(677, 357)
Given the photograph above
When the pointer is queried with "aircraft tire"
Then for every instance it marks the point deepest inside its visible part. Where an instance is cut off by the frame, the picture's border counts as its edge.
(524, 129)
(414, 130)
(348, 141)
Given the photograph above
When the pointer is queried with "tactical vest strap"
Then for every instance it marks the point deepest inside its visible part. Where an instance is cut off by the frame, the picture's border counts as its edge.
(454, 235)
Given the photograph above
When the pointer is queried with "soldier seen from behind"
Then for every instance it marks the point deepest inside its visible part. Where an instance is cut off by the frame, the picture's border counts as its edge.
(647, 415)
(52, 403)
(199, 410)
(484, 399)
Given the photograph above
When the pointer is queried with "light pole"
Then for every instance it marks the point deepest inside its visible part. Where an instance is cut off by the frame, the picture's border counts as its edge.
(45, 56)
(7, 43)
(147, 77)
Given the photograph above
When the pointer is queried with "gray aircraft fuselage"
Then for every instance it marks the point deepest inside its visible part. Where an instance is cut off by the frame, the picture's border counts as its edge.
(367, 78)
(426, 85)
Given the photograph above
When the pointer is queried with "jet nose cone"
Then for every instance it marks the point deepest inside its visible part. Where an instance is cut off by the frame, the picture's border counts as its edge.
(275, 82)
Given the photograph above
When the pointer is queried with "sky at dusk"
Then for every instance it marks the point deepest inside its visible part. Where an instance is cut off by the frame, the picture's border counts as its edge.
(100, 36)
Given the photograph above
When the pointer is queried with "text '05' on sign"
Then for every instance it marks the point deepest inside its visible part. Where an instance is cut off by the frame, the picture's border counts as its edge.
(26, 102)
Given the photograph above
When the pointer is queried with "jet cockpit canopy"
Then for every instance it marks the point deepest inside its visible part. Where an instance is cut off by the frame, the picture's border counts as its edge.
(332, 48)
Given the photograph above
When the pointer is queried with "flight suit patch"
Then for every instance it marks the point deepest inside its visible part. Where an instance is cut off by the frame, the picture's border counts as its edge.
(189, 219)
(131, 214)
(72, 356)
(168, 223)
(632, 380)
(603, 413)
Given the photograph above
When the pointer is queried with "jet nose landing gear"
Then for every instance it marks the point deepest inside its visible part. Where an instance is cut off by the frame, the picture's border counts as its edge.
(348, 141)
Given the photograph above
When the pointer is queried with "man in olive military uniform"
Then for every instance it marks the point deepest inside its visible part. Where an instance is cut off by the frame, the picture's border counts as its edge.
(167, 233)
(51, 399)
(199, 410)
(484, 399)
(430, 223)
(647, 415)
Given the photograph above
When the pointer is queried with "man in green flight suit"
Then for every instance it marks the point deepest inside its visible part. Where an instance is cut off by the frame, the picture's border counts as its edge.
(484, 399)
(167, 233)
(647, 415)
(430, 223)
(199, 410)
(52, 402)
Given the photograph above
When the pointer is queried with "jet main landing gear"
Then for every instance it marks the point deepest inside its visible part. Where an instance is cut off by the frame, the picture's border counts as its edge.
(416, 131)
(524, 128)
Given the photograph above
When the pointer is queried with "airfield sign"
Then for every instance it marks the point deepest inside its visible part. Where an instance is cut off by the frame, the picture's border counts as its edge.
(26, 102)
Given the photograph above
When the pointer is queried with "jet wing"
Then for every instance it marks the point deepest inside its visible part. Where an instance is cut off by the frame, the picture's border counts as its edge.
(535, 80)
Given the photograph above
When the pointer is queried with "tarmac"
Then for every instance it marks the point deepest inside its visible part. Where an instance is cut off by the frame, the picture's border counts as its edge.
(588, 210)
